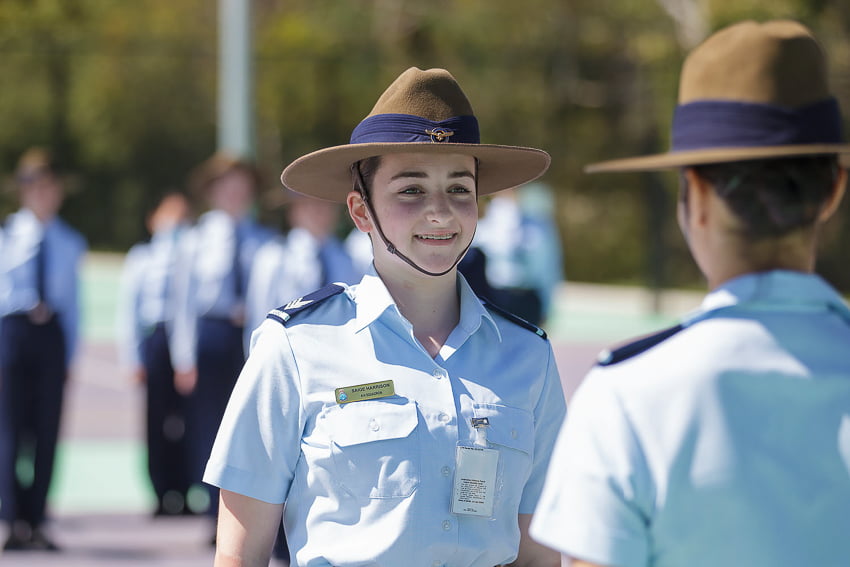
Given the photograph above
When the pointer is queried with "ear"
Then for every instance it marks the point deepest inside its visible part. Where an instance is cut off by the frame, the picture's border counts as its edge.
(700, 193)
(358, 211)
(835, 199)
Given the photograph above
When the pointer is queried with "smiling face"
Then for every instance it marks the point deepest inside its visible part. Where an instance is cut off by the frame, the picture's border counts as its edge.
(427, 207)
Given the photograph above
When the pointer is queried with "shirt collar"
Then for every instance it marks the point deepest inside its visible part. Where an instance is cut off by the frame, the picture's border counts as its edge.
(777, 289)
(373, 299)
(27, 222)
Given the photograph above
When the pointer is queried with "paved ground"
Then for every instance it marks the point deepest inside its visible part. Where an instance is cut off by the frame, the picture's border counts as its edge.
(100, 499)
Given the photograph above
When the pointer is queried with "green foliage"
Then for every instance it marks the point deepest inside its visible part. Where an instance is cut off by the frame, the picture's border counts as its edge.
(126, 93)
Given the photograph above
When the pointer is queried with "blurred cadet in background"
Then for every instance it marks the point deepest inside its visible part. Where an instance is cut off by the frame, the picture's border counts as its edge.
(358, 246)
(309, 257)
(213, 273)
(39, 265)
(146, 310)
(516, 258)
(725, 440)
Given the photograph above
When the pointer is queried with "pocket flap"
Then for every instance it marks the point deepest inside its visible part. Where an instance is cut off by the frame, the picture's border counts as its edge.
(363, 422)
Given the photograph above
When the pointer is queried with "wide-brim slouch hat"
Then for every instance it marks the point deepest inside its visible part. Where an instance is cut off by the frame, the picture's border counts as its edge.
(35, 162)
(421, 111)
(217, 166)
(750, 91)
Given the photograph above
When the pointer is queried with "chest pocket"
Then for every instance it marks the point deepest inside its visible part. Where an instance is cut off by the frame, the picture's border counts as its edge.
(511, 431)
(375, 448)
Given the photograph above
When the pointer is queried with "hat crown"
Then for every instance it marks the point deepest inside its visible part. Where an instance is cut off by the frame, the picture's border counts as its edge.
(433, 94)
(778, 63)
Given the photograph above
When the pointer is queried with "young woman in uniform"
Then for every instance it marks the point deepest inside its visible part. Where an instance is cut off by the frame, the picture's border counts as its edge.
(398, 421)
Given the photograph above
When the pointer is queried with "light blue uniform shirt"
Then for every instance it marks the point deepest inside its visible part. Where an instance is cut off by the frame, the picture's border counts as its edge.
(148, 291)
(206, 277)
(18, 288)
(369, 482)
(726, 444)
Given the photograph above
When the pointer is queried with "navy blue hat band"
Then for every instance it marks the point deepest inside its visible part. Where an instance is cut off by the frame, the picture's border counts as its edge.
(718, 124)
(395, 128)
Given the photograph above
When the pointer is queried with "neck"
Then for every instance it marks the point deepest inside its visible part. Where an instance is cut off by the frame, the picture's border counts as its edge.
(430, 303)
(44, 217)
(794, 252)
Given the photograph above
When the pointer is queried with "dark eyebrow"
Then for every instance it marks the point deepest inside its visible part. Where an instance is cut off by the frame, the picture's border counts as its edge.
(423, 175)
(414, 174)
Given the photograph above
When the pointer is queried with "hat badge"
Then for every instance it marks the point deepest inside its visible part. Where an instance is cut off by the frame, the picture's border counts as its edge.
(439, 134)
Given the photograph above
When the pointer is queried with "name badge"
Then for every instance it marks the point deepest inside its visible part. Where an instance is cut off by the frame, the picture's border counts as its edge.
(475, 481)
(371, 391)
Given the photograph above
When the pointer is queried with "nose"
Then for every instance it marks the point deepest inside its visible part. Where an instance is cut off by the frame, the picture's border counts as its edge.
(439, 209)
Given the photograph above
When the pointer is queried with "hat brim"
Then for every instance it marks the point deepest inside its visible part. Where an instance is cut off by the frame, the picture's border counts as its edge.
(326, 173)
(708, 156)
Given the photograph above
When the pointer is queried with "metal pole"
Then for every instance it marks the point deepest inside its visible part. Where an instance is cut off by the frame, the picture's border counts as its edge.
(235, 79)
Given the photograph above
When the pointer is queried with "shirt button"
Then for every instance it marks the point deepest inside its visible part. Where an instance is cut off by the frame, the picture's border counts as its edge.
(437, 563)
(374, 425)
(444, 417)
(446, 471)
(514, 434)
(447, 525)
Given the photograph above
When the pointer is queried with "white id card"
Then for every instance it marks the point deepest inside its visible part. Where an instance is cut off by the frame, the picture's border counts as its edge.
(475, 481)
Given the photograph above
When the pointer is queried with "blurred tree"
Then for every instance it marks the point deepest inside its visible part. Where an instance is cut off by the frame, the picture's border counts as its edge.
(126, 92)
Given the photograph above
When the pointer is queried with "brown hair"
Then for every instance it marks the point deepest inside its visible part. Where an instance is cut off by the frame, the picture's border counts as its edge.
(772, 197)
(364, 171)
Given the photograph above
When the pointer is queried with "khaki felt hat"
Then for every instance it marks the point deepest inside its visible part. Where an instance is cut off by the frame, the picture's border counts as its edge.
(421, 111)
(750, 91)
(217, 166)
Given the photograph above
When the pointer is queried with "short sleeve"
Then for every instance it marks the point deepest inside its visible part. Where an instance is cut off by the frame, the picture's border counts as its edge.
(548, 416)
(597, 500)
(259, 440)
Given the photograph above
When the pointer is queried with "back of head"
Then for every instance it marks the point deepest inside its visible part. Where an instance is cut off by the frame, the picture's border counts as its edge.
(772, 198)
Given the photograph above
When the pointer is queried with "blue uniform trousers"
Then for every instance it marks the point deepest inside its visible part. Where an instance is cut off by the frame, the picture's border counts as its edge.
(220, 356)
(166, 424)
(32, 381)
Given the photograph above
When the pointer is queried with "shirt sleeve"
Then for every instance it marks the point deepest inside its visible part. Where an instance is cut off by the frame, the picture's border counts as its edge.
(259, 440)
(183, 337)
(127, 314)
(597, 500)
(76, 250)
(548, 416)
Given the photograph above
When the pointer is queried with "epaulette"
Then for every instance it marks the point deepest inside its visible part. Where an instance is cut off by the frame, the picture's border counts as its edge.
(515, 319)
(634, 348)
(285, 313)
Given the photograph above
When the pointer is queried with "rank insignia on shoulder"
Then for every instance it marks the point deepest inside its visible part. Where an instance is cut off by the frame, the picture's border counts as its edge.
(634, 348)
(515, 319)
(285, 313)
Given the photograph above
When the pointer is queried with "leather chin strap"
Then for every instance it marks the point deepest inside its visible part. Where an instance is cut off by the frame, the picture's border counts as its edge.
(391, 248)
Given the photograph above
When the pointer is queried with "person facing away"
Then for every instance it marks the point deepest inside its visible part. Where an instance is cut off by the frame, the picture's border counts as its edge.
(145, 323)
(398, 421)
(309, 257)
(214, 267)
(725, 440)
(39, 268)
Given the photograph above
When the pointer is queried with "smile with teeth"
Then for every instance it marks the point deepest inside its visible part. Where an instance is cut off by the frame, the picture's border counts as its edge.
(435, 236)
